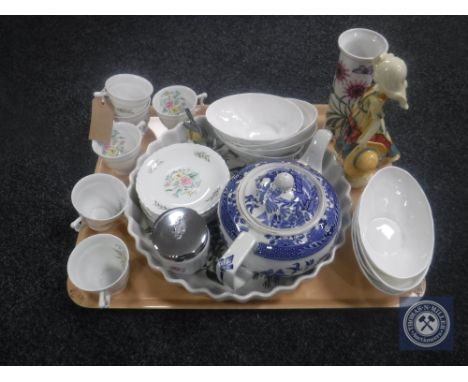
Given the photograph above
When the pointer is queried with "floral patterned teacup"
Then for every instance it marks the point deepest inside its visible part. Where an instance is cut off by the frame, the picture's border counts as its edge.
(171, 102)
(100, 264)
(122, 152)
(358, 48)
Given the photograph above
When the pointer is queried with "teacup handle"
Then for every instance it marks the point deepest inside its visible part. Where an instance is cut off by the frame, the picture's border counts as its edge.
(78, 224)
(201, 98)
(142, 126)
(229, 267)
(104, 299)
(102, 94)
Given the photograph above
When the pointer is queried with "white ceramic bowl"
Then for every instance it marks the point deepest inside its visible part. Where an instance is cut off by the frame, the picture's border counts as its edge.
(395, 224)
(378, 279)
(286, 148)
(253, 155)
(254, 118)
(307, 130)
(121, 154)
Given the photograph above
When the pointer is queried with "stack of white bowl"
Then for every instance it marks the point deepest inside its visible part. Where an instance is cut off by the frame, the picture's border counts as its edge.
(393, 232)
(259, 126)
(130, 95)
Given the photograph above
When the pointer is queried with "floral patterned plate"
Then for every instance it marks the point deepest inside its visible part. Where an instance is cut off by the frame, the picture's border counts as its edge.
(181, 175)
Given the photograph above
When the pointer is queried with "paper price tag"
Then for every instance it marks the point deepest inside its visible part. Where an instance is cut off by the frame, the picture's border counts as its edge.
(102, 117)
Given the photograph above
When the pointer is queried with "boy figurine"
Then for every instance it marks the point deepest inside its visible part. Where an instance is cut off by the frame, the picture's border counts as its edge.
(365, 144)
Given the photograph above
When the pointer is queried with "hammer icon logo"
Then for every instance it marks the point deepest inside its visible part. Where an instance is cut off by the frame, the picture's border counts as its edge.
(427, 322)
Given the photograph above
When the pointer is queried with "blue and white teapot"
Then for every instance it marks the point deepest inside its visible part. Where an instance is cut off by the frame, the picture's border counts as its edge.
(280, 217)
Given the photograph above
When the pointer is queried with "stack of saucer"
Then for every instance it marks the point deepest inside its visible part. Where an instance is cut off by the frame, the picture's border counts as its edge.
(130, 95)
(393, 232)
(181, 175)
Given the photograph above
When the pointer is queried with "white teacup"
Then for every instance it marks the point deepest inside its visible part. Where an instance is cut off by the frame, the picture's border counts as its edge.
(128, 93)
(171, 102)
(100, 264)
(132, 112)
(100, 199)
(134, 119)
(124, 149)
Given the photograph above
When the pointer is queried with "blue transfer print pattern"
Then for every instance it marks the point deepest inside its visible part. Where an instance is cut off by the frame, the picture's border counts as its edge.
(271, 208)
(225, 264)
(288, 248)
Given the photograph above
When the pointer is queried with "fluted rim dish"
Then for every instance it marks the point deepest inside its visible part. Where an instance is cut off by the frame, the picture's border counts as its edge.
(139, 228)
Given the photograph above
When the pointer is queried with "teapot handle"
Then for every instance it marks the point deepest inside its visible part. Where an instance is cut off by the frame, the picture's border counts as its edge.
(316, 150)
(229, 269)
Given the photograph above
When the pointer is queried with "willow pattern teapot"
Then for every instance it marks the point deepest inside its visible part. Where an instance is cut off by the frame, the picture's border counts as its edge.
(279, 217)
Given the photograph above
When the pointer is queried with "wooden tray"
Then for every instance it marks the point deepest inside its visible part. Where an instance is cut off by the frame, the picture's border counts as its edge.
(340, 284)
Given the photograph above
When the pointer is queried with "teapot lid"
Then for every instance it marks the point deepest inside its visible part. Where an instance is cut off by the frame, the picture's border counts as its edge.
(281, 198)
(180, 234)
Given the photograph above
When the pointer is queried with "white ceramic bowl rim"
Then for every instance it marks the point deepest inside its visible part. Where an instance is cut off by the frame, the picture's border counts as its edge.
(267, 150)
(257, 155)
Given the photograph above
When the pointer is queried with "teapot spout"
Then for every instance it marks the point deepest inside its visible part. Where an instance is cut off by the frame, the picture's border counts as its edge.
(316, 150)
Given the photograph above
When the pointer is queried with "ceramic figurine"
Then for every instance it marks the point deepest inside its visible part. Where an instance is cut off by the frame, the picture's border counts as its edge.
(364, 144)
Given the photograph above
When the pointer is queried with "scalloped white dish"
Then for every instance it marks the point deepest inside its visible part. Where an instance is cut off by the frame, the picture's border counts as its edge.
(205, 281)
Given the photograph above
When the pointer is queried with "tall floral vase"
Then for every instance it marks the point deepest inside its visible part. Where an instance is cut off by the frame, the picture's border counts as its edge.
(354, 72)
